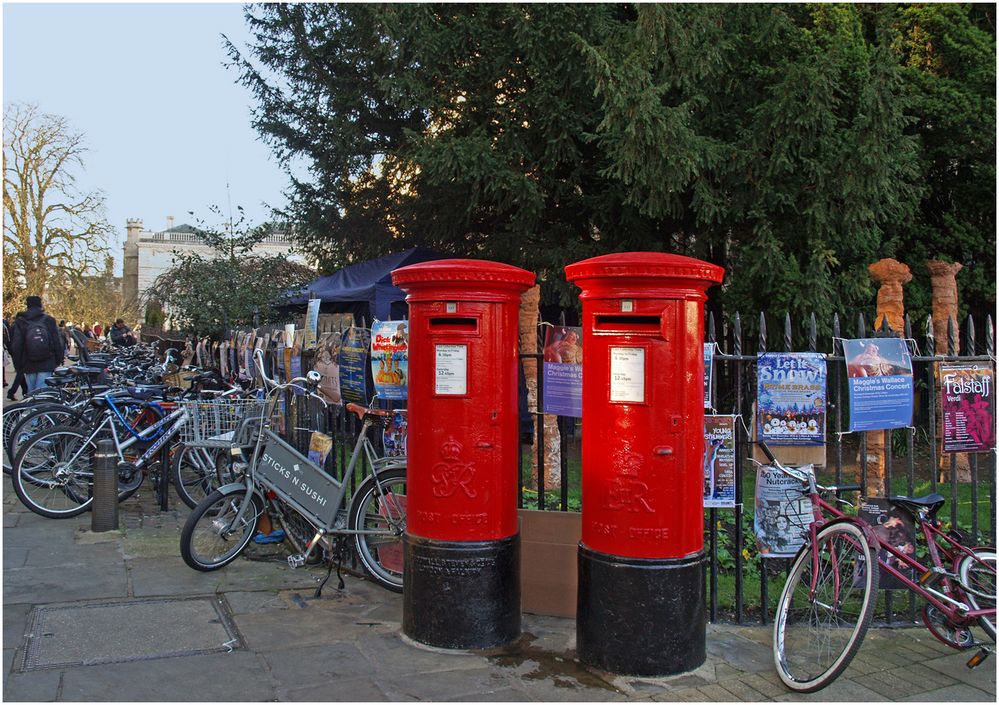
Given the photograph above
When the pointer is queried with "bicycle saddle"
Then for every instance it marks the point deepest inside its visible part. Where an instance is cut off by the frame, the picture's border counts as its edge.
(913, 505)
(147, 391)
(362, 411)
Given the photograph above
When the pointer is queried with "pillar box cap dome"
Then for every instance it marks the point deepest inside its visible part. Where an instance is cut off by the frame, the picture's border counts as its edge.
(469, 275)
(646, 265)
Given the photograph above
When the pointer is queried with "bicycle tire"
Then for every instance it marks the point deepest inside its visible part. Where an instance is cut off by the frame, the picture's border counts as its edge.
(38, 420)
(43, 479)
(836, 624)
(979, 586)
(12, 414)
(374, 506)
(205, 526)
(194, 473)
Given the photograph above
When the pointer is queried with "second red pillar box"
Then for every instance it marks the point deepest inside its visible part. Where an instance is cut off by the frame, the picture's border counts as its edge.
(462, 553)
(640, 604)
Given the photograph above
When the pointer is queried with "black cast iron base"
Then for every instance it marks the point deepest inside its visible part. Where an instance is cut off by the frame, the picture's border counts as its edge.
(461, 595)
(640, 617)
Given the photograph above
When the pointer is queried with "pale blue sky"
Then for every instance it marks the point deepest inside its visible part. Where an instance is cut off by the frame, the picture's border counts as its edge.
(165, 122)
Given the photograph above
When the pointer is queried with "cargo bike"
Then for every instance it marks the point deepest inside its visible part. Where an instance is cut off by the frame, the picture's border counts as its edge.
(313, 508)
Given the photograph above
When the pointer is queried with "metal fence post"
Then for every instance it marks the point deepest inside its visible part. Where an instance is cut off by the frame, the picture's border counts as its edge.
(104, 508)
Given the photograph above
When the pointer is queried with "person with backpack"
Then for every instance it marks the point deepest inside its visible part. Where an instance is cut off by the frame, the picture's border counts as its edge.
(18, 382)
(36, 344)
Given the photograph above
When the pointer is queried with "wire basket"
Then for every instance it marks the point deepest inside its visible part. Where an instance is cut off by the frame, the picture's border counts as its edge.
(212, 424)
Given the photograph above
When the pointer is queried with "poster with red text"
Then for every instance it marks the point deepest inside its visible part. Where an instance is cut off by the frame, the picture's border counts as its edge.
(967, 391)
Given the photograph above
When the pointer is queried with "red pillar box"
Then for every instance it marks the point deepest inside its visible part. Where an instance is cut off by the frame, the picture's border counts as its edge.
(462, 548)
(640, 604)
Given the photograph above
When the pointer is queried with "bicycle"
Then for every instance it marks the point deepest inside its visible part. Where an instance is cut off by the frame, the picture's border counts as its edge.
(312, 506)
(52, 471)
(828, 601)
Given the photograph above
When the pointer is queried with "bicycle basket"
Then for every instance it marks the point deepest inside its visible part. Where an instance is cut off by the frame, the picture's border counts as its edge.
(212, 423)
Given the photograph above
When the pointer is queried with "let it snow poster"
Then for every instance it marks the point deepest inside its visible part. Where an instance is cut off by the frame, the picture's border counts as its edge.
(791, 399)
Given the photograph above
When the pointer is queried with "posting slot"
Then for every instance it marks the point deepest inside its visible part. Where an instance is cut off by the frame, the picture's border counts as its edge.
(627, 324)
(454, 324)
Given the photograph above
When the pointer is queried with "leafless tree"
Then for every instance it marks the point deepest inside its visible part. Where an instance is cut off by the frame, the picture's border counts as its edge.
(53, 232)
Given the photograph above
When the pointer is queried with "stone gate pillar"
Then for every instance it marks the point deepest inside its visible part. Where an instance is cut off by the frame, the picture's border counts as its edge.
(943, 283)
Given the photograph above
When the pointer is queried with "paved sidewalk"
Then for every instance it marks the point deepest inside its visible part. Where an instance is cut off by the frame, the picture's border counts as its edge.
(253, 631)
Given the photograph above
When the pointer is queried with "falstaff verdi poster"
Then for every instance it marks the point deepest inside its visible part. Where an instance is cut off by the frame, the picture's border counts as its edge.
(967, 392)
(879, 371)
(390, 359)
(791, 398)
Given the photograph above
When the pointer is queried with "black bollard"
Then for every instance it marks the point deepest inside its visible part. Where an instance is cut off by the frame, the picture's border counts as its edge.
(104, 508)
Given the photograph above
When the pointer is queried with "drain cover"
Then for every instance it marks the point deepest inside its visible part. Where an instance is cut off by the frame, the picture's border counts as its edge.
(126, 630)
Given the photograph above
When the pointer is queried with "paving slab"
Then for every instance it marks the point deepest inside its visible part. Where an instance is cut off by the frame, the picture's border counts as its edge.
(955, 667)
(38, 686)
(15, 619)
(841, 690)
(343, 691)
(954, 693)
(226, 677)
(151, 577)
(314, 665)
(446, 685)
(78, 582)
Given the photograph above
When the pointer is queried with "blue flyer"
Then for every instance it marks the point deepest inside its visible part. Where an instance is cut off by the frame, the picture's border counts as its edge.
(355, 372)
(879, 372)
(563, 370)
(791, 398)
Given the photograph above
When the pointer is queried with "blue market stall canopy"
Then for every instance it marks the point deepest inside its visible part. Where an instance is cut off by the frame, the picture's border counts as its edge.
(364, 288)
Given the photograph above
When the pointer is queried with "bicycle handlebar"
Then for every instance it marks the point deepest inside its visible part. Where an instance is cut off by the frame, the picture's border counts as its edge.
(310, 385)
(803, 476)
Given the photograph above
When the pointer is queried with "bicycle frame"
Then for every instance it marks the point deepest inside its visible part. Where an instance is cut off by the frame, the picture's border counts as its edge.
(954, 610)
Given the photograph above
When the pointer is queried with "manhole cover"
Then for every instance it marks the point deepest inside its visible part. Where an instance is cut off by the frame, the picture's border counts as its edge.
(132, 630)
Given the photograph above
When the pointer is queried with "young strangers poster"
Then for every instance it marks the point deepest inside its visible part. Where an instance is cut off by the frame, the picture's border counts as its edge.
(719, 461)
(791, 398)
(563, 370)
(390, 359)
(783, 512)
(879, 373)
(967, 392)
(354, 369)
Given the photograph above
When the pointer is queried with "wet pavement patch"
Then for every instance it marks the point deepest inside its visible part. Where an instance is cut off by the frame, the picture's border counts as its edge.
(563, 670)
(60, 636)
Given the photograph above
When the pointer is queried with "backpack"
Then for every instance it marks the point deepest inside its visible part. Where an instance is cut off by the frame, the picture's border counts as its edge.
(37, 346)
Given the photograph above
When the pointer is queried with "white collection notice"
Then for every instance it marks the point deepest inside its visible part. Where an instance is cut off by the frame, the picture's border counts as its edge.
(627, 375)
(452, 370)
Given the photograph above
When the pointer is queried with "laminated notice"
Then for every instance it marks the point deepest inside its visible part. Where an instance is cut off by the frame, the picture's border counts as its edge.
(451, 369)
(627, 375)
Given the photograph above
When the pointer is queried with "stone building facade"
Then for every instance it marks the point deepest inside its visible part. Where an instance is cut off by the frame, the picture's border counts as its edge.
(150, 253)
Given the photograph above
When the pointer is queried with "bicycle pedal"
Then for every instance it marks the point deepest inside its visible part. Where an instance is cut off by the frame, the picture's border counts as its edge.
(979, 658)
(296, 560)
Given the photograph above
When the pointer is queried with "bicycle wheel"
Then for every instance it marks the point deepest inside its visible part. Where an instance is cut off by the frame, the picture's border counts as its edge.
(194, 473)
(378, 512)
(52, 472)
(42, 418)
(816, 634)
(980, 585)
(12, 415)
(211, 537)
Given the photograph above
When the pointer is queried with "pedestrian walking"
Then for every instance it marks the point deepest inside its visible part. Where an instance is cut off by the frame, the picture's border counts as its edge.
(19, 382)
(36, 344)
(98, 330)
